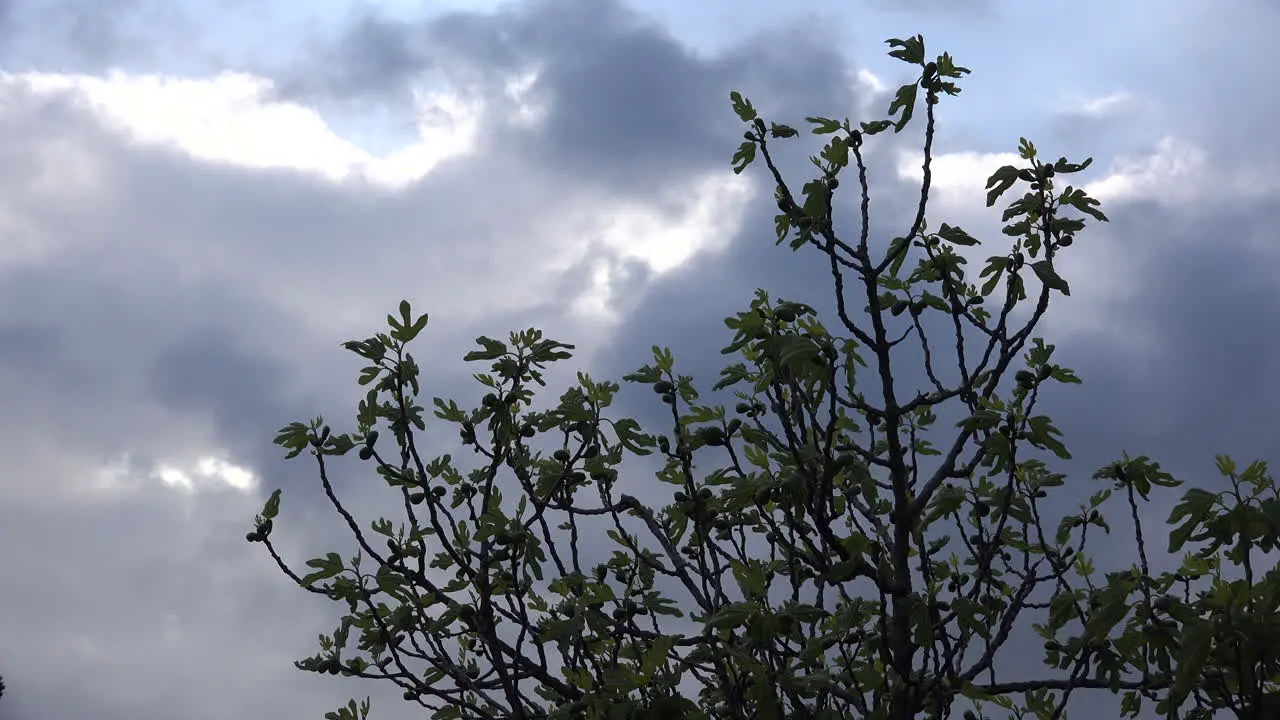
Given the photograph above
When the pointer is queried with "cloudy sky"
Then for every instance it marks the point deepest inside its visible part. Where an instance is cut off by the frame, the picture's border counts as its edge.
(199, 201)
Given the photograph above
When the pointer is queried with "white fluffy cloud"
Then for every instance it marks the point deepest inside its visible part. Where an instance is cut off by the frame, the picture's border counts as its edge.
(232, 118)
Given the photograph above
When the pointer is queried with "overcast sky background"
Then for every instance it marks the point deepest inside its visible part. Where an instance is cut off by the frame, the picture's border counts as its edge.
(199, 201)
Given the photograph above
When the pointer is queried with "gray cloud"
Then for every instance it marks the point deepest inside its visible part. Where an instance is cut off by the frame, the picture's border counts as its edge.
(179, 306)
(166, 306)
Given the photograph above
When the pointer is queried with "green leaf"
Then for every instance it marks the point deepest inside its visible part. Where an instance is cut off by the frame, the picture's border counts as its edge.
(982, 419)
(843, 571)
(1196, 506)
(1044, 270)
(875, 127)
(1076, 198)
(823, 125)
(836, 152)
(904, 101)
(733, 615)
(656, 655)
(956, 236)
(945, 501)
(293, 437)
(326, 567)
(1131, 705)
(1062, 167)
(273, 505)
(662, 606)
(910, 50)
(745, 156)
(897, 249)
(898, 252)
(493, 350)
(1043, 434)
(407, 329)
(632, 439)
(796, 350)
(778, 130)
(1000, 181)
(1193, 651)
(389, 581)
(1026, 150)
(1226, 465)
(750, 578)
(781, 225)
(731, 375)
(663, 358)
(742, 107)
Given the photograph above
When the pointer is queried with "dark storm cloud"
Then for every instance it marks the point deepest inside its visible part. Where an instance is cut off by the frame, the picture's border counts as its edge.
(1208, 300)
(626, 103)
(375, 58)
(207, 371)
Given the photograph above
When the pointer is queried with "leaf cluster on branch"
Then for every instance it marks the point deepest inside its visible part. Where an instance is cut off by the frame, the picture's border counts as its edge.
(831, 548)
